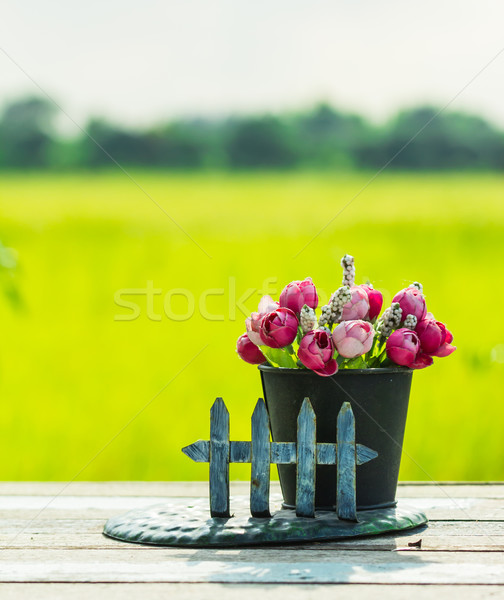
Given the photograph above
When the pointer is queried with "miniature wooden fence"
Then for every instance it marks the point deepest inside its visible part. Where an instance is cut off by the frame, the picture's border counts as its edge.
(260, 452)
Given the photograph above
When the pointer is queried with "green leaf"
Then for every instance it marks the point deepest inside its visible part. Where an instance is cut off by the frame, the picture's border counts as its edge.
(384, 360)
(279, 357)
(355, 363)
(339, 359)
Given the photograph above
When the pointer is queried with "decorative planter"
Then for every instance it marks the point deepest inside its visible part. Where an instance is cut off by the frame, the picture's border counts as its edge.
(379, 399)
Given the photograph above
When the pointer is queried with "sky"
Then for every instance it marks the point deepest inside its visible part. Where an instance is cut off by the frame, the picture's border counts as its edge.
(143, 62)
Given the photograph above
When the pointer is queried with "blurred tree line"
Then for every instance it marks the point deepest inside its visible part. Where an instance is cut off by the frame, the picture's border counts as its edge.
(320, 138)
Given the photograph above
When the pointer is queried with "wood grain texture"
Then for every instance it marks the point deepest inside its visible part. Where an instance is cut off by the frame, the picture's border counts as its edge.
(280, 453)
(186, 489)
(202, 591)
(306, 461)
(82, 533)
(48, 508)
(283, 453)
(462, 555)
(260, 462)
(327, 454)
(219, 459)
(262, 566)
(198, 451)
(431, 543)
(346, 502)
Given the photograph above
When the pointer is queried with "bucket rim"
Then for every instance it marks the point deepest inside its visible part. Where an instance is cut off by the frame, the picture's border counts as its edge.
(266, 368)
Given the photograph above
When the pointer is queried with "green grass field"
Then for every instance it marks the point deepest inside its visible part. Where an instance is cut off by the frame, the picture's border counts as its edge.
(84, 393)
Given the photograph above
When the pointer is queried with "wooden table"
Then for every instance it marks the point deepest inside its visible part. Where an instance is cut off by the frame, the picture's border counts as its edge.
(52, 546)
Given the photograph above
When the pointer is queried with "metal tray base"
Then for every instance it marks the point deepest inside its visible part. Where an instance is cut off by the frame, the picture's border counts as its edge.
(191, 526)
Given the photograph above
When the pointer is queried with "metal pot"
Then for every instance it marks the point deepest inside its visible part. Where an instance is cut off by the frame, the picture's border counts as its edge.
(379, 399)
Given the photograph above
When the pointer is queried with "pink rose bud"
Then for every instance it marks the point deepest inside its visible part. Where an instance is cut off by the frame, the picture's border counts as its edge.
(253, 326)
(422, 360)
(358, 307)
(267, 304)
(446, 349)
(353, 338)
(253, 323)
(375, 299)
(279, 328)
(298, 293)
(248, 351)
(412, 302)
(316, 352)
(403, 346)
(435, 339)
(431, 335)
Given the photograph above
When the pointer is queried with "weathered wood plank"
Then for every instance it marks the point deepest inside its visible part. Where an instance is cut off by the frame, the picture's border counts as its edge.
(82, 533)
(219, 459)
(282, 453)
(260, 462)
(285, 453)
(346, 503)
(226, 591)
(441, 509)
(198, 451)
(431, 544)
(200, 488)
(63, 545)
(262, 566)
(325, 550)
(49, 514)
(363, 454)
(240, 452)
(326, 454)
(78, 526)
(306, 460)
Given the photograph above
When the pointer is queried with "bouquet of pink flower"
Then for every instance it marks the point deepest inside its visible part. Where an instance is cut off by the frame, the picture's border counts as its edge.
(348, 334)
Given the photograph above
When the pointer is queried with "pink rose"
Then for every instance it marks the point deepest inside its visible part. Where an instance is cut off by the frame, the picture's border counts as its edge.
(279, 328)
(248, 351)
(353, 338)
(412, 302)
(298, 293)
(375, 300)
(253, 323)
(357, 307)
(316, 352)
(435, 339)
(403, 346)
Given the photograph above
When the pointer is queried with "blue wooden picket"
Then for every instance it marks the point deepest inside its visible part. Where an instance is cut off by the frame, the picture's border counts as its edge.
(260, 462)
(306, 461)
(306, 453)
(219, 459)
(346, 504)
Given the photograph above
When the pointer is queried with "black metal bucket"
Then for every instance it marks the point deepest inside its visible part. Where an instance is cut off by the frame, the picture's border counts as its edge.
(379, 399)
